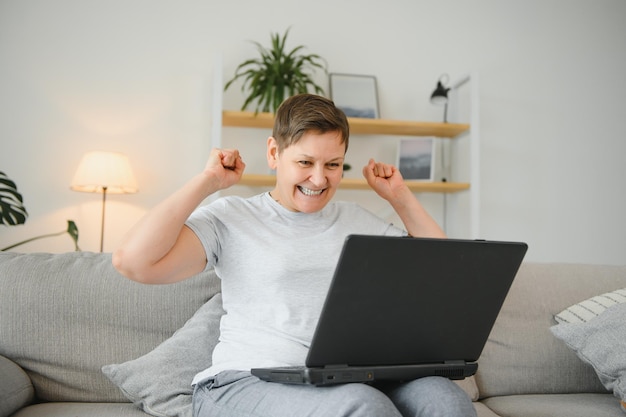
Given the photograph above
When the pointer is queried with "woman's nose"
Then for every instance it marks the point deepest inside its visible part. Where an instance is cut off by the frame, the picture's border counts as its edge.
(318, 176)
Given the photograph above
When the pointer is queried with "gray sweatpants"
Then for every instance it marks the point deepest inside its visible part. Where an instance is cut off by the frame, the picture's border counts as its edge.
(239, 394)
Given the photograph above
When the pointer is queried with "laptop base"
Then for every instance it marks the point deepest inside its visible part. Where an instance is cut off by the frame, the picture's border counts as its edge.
(333, 375)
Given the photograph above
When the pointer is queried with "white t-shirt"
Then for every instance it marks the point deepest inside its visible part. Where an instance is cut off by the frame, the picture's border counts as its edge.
(276, 266)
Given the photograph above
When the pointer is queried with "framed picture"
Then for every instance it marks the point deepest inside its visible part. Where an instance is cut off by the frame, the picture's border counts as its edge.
(416, 159)
(356, 95)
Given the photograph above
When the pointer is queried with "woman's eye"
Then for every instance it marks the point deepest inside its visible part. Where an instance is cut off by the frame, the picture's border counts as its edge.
(304, 163)
(334, 165)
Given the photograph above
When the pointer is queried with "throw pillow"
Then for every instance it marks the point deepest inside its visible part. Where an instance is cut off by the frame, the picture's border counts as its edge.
(601, 343)
(159, 382)
(593, 307)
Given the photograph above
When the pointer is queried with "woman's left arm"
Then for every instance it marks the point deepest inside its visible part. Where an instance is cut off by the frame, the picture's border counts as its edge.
(388, 183)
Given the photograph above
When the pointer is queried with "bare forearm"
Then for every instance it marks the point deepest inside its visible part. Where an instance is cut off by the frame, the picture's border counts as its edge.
(387, 181)
(417, 221)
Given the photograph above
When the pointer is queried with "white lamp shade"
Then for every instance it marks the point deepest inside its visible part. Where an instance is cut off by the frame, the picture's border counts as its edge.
(100, 170)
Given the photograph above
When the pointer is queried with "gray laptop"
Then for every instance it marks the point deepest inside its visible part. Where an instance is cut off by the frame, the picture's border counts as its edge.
(404, 308)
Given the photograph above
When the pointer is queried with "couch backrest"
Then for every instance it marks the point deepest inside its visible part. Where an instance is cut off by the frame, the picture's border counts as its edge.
(522, 356)
(64, 316)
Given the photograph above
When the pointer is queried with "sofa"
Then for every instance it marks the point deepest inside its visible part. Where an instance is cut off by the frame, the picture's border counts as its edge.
(78, 339)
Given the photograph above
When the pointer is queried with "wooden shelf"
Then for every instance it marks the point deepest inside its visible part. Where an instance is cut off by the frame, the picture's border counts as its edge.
(357, 125)
(255, 180)
(247, 119)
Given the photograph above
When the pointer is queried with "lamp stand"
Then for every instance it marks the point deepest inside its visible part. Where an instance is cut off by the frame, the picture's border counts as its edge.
(104, 197)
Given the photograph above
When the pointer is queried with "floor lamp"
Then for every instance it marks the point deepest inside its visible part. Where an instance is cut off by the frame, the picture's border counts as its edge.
(106, 172)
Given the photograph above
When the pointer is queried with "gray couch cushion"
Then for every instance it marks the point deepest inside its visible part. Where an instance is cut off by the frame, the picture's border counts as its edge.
(159, 382)
(556, 405)
(483, 411)
(64, 316)
(16, 390)
(522, 356)
(80, 410)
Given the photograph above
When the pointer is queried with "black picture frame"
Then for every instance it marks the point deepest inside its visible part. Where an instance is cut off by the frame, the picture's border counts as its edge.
(356, 95)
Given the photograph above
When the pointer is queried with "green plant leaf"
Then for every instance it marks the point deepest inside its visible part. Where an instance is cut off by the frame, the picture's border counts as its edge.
(12, 210)
(276, 74)
(72, 230)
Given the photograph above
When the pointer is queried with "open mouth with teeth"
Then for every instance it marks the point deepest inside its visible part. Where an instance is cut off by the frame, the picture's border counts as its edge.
(309, 192)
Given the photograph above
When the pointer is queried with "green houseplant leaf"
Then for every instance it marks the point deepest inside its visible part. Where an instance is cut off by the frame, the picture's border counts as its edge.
(277, 74)
(72, 230)
(12, 210)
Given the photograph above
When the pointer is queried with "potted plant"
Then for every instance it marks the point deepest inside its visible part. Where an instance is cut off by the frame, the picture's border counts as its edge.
(13, 212)
(277, 74)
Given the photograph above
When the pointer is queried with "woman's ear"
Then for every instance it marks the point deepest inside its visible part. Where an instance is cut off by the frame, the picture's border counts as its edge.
(272, 152)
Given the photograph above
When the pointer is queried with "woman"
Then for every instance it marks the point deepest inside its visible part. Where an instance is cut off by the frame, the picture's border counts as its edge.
(275, 253)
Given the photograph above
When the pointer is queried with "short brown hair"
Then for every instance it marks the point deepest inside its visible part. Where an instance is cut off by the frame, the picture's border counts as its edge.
(308, 112)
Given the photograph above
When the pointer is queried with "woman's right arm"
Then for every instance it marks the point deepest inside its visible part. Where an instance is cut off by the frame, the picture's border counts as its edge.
(160, 249)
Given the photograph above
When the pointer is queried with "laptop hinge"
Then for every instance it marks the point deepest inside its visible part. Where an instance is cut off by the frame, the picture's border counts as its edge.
(335, 366)
(455, 362)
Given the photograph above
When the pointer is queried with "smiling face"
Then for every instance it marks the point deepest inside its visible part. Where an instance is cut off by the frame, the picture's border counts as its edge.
(308, 172)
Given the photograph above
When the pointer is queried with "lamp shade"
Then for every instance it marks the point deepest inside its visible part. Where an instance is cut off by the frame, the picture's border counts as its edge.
(100, 171)
(440, 95)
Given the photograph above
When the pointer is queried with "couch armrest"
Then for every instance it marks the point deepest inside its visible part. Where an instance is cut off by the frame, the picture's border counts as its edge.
(16, 389)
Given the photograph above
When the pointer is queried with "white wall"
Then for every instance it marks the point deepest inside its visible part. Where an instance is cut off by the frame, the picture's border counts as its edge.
(135, 76)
